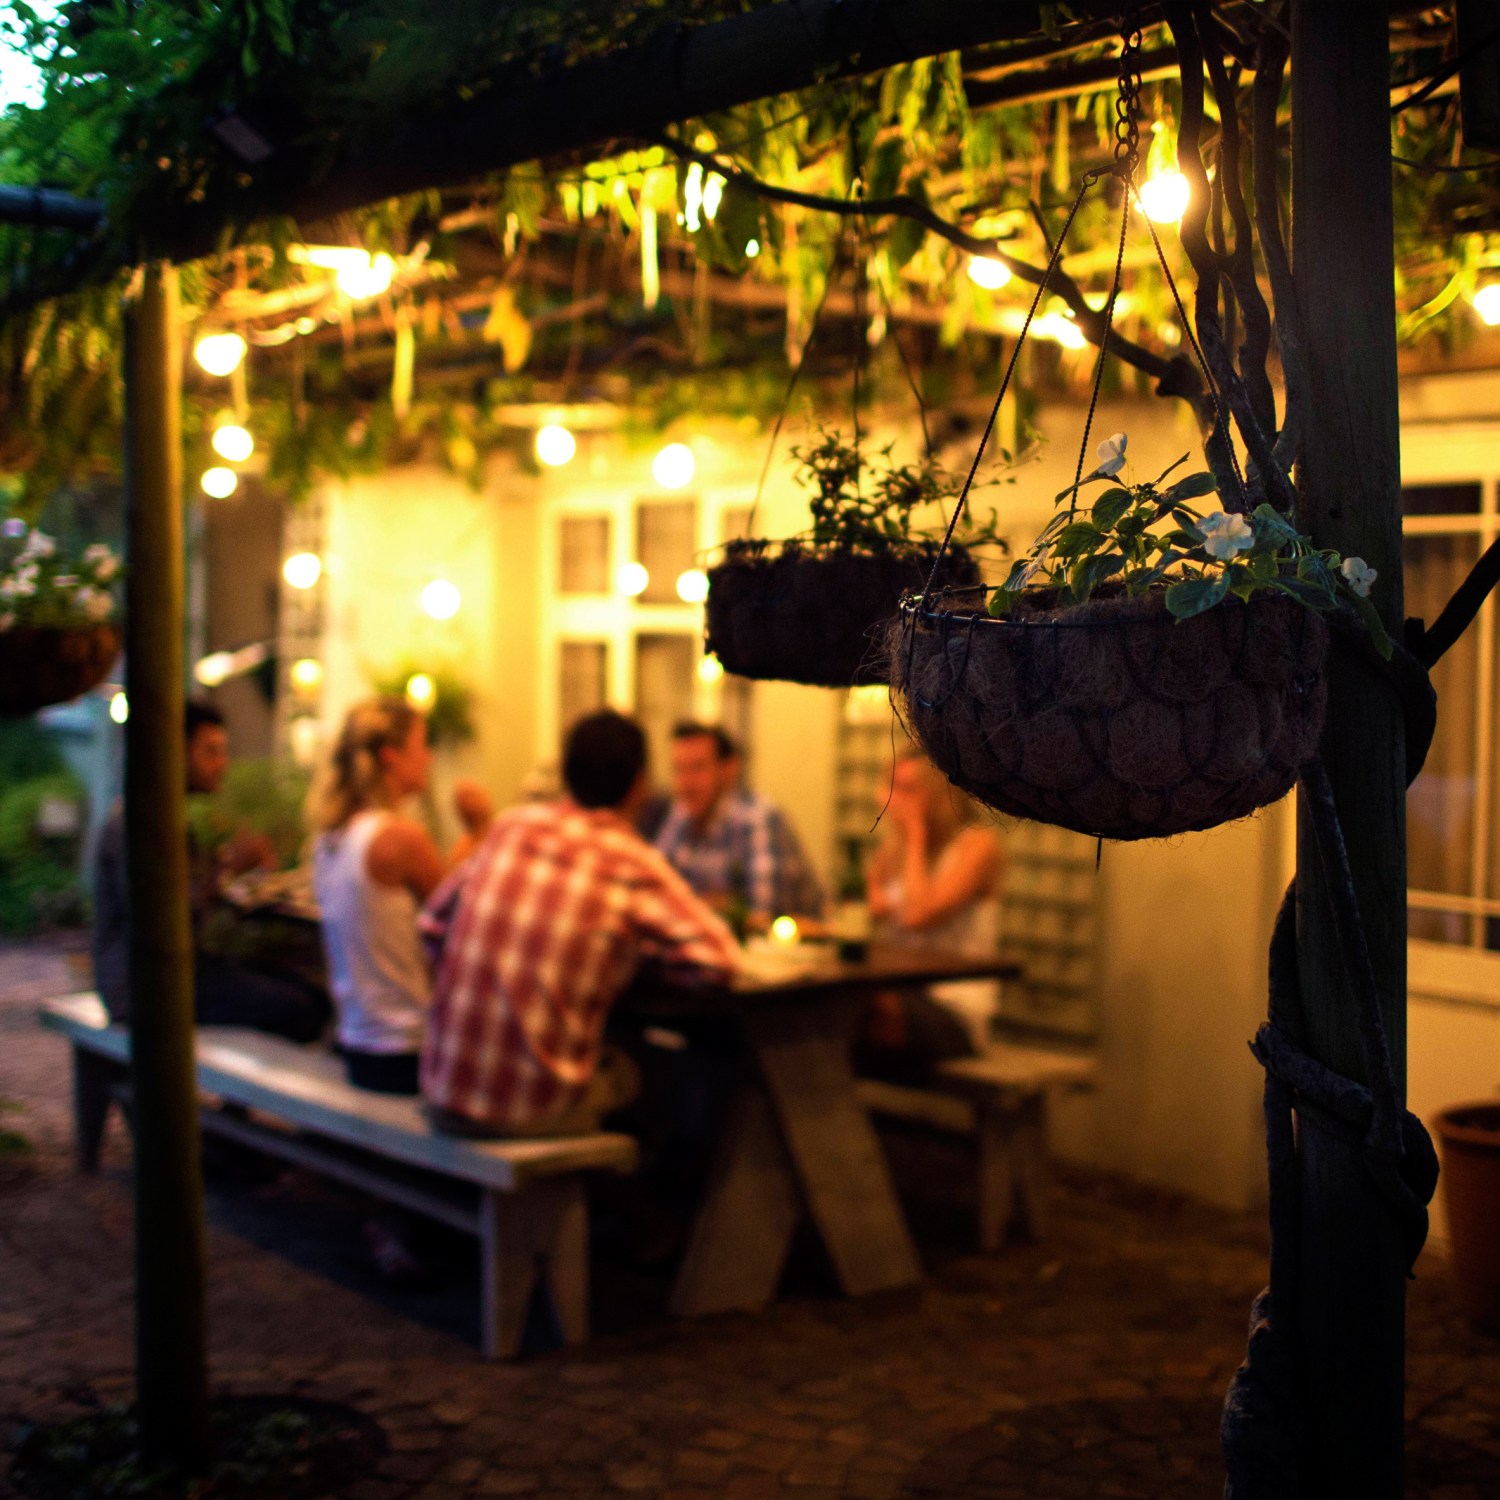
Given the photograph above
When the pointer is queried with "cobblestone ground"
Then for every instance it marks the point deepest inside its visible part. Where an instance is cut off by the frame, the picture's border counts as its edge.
(1092, 1365)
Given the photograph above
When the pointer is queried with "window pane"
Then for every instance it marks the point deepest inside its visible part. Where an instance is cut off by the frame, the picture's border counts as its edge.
(1440, 500)
(664, 670)
(666, 536)
(582, 688)
(1437, 926)
(584, 565)
(1440, 805)
(736, 519)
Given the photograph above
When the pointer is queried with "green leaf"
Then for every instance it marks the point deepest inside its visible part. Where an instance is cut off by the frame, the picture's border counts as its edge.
(1077, 538)
(1110, 506)
(1373, 623)
(1089, 572)
(1190, 488)
(1194, 595)
(1312, 569)
(1001, 601)
(1305, 593)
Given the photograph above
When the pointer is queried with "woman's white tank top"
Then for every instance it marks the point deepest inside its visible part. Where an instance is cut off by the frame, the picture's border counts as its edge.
(379, 981)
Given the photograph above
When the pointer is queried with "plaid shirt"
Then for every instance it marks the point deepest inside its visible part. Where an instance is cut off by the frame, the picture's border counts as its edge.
(541, 931)
(749, 842)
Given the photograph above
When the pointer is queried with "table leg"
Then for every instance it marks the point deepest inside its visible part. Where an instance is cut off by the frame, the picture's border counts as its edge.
(803, 1053)
(743, 1231)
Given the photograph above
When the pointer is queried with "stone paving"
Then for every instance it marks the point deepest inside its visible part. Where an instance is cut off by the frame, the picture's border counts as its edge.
(1092, 1365)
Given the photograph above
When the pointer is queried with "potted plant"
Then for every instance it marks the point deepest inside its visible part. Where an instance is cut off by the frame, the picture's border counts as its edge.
(57, 639)
(1146, 669)
(1469, 1135)
(809, 608)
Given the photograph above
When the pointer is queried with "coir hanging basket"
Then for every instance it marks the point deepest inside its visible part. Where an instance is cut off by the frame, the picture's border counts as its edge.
(1112, 718)
(817, 618)
(42, 665)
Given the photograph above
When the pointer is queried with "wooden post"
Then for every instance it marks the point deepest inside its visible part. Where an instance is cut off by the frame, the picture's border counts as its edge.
(171, 1360)
(1351, 1303)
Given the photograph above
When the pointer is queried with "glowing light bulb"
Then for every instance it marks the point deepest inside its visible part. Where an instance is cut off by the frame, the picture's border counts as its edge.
(752, 249)
(631, 579)
(441, 599)
(306, 675)
(119, 708)
(710, 670)
(1060, 330)
(219, 482)
(692, 586)
(214, 668)
(359, 282)
(302, 569)
(220, 353)
(987, 272)
(555, 445)
(233, 442)
(305, 736)
(1165, 197)
(1487, 304)
(784, 930)
(421, 692)
(674, 466)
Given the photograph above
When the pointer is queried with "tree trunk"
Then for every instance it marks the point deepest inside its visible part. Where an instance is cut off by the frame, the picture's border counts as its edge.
(1351, 1297)
(171, 1361)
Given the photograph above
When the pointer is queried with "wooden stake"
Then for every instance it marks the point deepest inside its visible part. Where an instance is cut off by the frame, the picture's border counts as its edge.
(171, 1360)
(1351, 1303)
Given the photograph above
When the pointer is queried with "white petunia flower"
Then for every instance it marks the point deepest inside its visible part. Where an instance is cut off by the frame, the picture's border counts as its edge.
(65, 580)
(1225, 535)
(96, 604)
(103, 562)
(1112, 455)
(39, 544)
(13, 527)
(20, 585)
(1359, 575)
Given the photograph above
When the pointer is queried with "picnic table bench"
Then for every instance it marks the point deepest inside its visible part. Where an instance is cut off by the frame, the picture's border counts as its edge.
(522, 1199)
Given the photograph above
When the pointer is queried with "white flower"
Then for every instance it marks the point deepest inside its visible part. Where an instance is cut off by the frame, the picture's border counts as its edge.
(1112, 455)
(65, 580)
(20, 585)
(103, 562)
(1224, 535)
(96, 604)
(39, 544)
(1359, 575)
(6, 621)
(13, 527)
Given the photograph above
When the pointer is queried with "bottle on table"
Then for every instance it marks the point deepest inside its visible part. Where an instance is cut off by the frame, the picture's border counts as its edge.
(851, 909)
(736, 910)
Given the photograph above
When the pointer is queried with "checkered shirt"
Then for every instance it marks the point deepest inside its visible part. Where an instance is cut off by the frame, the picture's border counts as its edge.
(745, 834)
(540, 932)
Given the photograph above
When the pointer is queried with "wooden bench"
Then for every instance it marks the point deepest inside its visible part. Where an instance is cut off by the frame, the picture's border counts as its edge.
(522, 1199)
(1000, 1099)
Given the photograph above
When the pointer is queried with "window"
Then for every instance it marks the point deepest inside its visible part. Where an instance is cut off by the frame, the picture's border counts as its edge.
(583, 685)
(583, 564)
(666, 534)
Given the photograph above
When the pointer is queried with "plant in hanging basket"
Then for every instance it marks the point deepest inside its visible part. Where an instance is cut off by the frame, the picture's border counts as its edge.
(810, 609)
(1145, 670)
(56, 636)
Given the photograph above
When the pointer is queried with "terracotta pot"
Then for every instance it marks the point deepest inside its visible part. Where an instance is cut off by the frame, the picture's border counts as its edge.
(1469, 1135)
(42, 666)
(1112, 718)
(794, 616)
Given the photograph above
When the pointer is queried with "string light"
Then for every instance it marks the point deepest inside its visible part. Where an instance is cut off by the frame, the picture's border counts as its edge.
(233, 442)
(305, 736)
(555, 445)
(361, 282)
(441, 599)
(752, 249)
(1165, 197)
(421, 692)
(631, 579)
(692, 586)
(986, 272)
(710, 670)
(674, 466)
(214, 668)
(1060, 330)
(784, 930)
(302, 570)
(220, 353)
(1487, 303)
(218, 482)
(306, 675)
(119, 708)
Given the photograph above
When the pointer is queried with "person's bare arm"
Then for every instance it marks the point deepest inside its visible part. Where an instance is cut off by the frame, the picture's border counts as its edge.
(882, 867)
(404, 854)
(968, 873)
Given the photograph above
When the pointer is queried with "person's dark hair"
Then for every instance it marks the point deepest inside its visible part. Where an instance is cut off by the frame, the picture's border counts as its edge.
(724, 746)
(196, 714)
(602, 758)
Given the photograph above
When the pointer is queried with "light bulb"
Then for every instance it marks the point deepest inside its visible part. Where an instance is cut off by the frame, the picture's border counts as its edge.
(987, 272)
(219, 482)
(1487, 303)
(1164, 197)
(631, 579)
(752, 249)
(214, 668)
(361, 282)
(710, 670)
(441, 599)
(305, 736)
(119, 708)
(555, 445)
(302, 569)
(1060, 330)
(306, 675)
(784, 930)
(421, 692)
(673, 467)
(233, 442)
(692, 586)
(220, 353)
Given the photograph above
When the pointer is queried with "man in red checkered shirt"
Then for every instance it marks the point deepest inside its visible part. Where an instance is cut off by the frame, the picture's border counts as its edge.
(541, 931)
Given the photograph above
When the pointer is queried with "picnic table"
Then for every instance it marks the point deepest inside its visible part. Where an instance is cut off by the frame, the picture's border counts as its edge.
(798, 1141)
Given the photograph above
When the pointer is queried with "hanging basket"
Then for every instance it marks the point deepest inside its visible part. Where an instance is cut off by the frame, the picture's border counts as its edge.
(795, 616)
(42, 665)
(1111, 718)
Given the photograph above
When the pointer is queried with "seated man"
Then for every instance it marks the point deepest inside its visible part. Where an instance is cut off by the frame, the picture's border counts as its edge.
(540, 933)
(225, 992)
(734, 848)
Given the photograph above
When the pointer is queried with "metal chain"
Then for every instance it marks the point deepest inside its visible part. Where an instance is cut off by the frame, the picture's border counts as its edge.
(1128, 99)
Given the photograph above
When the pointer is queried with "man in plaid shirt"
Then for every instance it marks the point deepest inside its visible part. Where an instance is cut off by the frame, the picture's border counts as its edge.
(540, 933)
(733, 847)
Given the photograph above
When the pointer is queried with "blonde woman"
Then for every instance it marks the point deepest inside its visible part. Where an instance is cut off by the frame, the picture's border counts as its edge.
(373, 868)
(935, 883)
